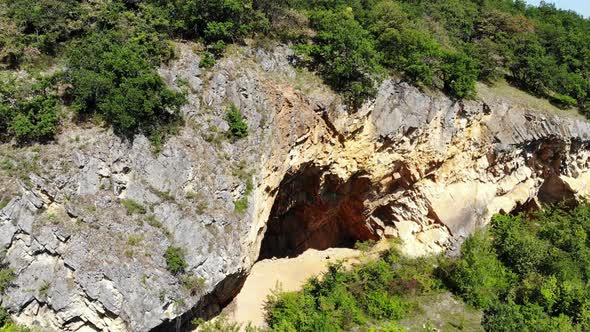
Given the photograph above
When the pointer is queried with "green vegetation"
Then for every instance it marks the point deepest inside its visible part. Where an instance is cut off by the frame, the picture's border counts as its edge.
(7, 325)
(113, 78)
(241, 205)
(110, 51)
(133, 207)
(134, 240)
(163, 195)
(526, 274)
(193, 284)
(98, 59)
(222, 324)
(375, 295)
(175, 262)
(44, 288)
(238, 128)
(154, 222)
(6, 278)
(343, 52)
(449, 45)
(535, 272)
(28, 110)
(199, 200)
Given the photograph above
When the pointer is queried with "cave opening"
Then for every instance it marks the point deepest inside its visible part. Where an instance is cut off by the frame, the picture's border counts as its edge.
(315, 209)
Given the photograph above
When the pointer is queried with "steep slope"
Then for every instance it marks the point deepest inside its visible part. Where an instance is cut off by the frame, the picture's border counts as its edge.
(421, 167)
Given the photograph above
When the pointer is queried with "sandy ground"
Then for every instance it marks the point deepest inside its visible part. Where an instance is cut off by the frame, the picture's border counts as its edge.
(287, 274)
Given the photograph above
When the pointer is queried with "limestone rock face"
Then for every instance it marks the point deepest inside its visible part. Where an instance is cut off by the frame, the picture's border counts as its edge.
(420, 167)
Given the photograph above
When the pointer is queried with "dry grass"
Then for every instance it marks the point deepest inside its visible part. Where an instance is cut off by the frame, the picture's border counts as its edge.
(502, 91)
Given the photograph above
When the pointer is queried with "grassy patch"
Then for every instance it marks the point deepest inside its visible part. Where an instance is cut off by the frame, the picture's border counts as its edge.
(199, 200)
(214, 136)
(133, 207)
(134, 240)
(443, 312)
(504, 91)
(163, 195)
(193, 284)
(3, 203)
(154, 222)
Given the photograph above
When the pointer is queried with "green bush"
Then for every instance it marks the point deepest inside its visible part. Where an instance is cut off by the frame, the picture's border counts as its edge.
(344, 300)
(175, 262)
(6, 278)
(238, 128)
(381, 305)
(28, 111)
(479, 276)
(38, 26)
(113, 78)
(549, 255)
(344, 53)
(511, 317)
(459, 75)
(207, 60)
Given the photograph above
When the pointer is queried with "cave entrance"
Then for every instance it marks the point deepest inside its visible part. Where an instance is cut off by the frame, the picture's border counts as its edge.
(315, 209)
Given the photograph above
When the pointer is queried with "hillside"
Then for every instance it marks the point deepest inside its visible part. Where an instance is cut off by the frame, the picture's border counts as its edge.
(151, 152)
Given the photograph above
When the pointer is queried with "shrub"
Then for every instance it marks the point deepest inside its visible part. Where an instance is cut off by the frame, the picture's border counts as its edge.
(511, 317)
(222, 324)
(459, 75)
(28, 111)
(238, 128)
(175, 262)
(207, 60)
(40, 25)
(478, 275)
(517, 246)
(344, 54)
(113, 78)
(241, 205)
(380, 305)
(6, 278)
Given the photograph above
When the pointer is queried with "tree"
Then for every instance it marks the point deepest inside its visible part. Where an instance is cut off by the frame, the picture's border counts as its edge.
(45, 23)
(478, 275)
(112, 77)
(344, 53)
(511, 317)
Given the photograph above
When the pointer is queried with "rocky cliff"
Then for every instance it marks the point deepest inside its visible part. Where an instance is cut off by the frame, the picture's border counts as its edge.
(91, 215)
